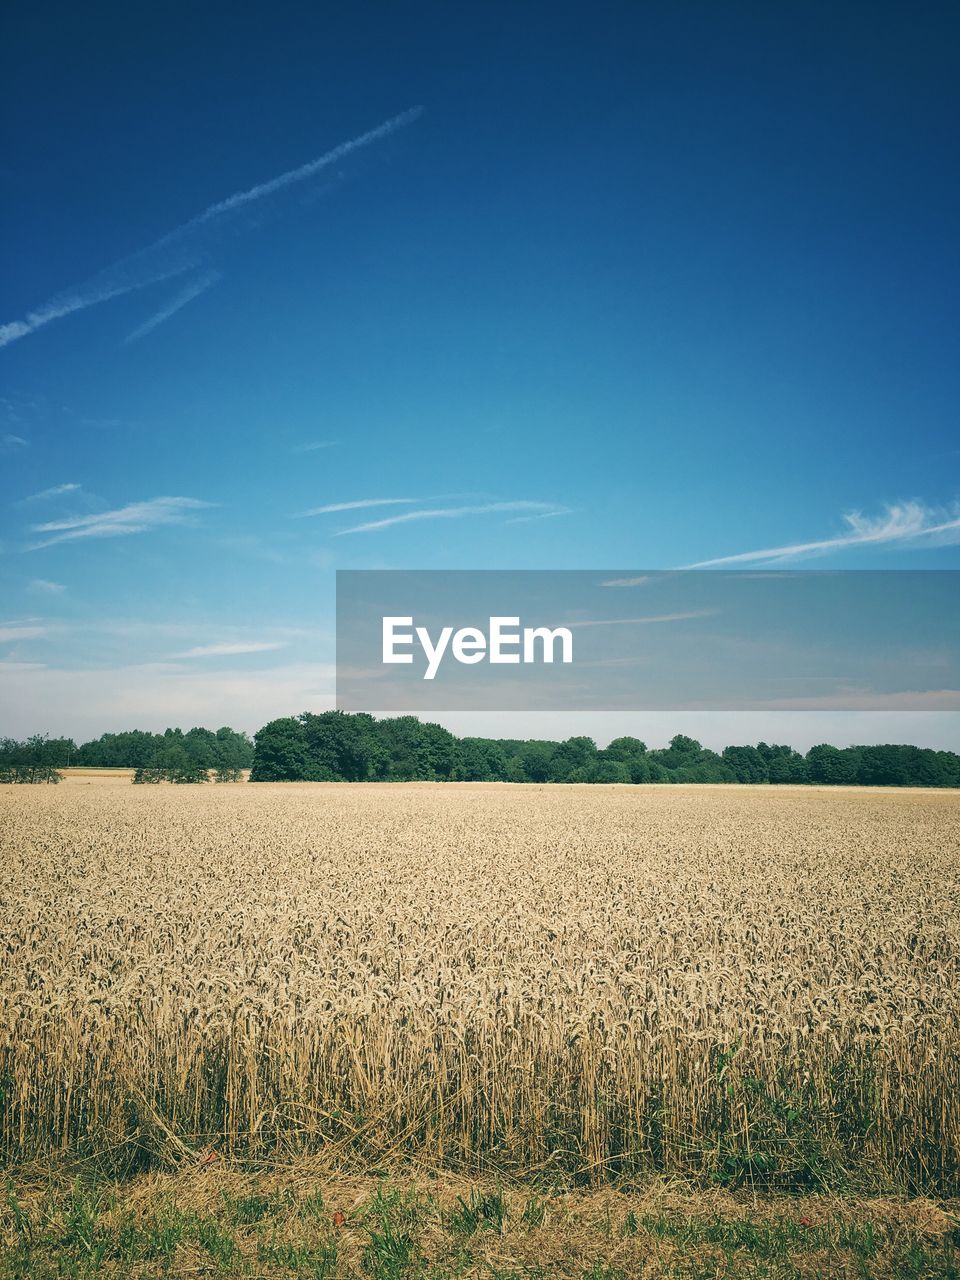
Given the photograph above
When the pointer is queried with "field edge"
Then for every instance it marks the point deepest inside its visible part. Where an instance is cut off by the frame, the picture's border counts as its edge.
(214, 1219)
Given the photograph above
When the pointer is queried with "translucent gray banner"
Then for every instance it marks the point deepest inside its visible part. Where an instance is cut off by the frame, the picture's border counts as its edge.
(425, 641)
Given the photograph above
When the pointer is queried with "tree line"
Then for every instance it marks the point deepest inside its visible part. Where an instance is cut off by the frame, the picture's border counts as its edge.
(38, 759)
(338, 747)
(172, 756)
(335, 746)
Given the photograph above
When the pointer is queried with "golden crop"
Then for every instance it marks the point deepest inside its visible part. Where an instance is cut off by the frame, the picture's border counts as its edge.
(751, 983)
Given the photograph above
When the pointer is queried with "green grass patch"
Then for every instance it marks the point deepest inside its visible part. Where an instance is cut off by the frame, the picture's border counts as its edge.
(245, 1226)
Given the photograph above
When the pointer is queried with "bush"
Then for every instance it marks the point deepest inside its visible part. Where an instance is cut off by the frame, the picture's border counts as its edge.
(148, 773)
(227, 774)
(173, 764)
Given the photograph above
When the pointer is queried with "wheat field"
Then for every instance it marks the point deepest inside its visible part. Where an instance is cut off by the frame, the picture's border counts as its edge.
(756, 985)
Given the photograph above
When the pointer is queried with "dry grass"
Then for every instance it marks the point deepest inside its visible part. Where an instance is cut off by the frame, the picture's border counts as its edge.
(761, 987)
(304, 1221)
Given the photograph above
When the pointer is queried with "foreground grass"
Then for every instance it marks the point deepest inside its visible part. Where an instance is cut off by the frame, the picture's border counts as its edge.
(302, 1222)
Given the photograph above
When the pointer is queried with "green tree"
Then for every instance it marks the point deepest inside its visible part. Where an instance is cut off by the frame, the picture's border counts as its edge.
(405, 756)
(443, 754)
(611, 771)
(746, 764)
(632, 753)
(886, 766)
(535, 762)
(201, 747)
(179, 764)
(484, 760)
(340, 747)
(152, 772)
(574, 756)
(33, 761)
(280, 752)
(233, 750)
(783, 764)
(829, 766)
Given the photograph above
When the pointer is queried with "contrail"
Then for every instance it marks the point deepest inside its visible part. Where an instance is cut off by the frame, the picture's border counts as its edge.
(110, 283)
(305, 171)
(173, 254)
(187, 294)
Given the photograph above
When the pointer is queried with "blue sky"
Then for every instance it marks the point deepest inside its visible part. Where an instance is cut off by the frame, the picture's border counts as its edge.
(620, 286)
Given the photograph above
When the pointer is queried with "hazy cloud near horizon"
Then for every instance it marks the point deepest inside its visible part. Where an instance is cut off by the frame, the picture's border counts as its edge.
(85, 703)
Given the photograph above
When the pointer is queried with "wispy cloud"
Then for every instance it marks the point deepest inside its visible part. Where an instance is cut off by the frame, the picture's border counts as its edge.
(182, 249)
(901, 522)
(193, 290)
(541, 515)
(650, 620)
(227, 649)
(55, 491)
(23, 629)
(9, 441)
(313, 445)
(136, 517)
(83, 701)
(448, 513)
(358, 505)
(43, 586)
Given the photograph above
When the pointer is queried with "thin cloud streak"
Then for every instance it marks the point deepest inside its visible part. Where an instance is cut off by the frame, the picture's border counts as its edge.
(447, 513)
(45, 587)
(136, 517)
(305, 171)
(22, 631)
(902, 522)
(358, 505)
(650, 620)
(314, 445)
(542, 515)
(97, 290)
(227, 649)
(55, 491)
(177, 252)
(191, 291)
